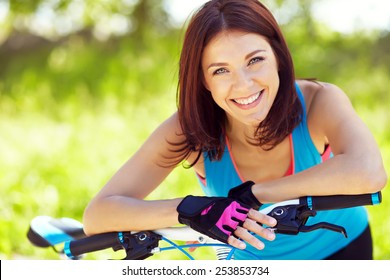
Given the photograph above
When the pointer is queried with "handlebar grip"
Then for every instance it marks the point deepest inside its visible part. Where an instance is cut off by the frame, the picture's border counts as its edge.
(342, 201)
(92, 243)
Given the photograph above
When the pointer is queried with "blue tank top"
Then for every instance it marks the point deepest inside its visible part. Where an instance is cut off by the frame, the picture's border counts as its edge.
(222, 175)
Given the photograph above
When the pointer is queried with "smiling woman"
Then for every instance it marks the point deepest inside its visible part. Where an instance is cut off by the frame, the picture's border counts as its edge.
(245, 86)
(254, 135)
(72, 111)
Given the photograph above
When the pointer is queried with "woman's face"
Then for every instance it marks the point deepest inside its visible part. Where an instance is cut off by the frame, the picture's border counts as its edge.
(241, 72)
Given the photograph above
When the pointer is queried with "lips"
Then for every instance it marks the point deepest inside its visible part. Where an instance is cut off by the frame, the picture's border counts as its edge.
(248, 102)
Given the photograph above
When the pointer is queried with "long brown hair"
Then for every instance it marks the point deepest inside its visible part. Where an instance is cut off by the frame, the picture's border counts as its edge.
(201, 119)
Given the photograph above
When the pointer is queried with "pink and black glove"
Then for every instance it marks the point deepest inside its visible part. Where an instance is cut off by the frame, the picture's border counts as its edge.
(243, 193)
(216, 217)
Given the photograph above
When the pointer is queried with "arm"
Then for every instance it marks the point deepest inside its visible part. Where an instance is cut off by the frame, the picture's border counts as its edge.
(356, 167)
(119, 206)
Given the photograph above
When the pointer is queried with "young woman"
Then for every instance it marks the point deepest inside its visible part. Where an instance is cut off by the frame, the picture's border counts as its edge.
(253, 135)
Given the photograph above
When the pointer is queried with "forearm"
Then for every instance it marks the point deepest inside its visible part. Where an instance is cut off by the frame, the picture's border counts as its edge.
(338, 175)
(119, 213)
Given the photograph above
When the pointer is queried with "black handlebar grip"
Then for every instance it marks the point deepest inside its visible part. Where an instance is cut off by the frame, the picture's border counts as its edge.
(342, 201)
(92, 243)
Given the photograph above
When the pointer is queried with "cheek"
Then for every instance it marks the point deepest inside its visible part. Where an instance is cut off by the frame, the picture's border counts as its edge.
(219, 99)
(216, 97)
(218, 88)
(271, 77)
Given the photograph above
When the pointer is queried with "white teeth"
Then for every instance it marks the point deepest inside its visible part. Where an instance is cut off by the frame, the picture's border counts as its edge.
(247, 101)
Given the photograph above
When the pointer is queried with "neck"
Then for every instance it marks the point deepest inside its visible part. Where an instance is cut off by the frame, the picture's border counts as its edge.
(240, 134)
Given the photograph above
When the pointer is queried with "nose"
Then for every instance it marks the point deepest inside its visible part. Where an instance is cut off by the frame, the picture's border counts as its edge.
(242, 80)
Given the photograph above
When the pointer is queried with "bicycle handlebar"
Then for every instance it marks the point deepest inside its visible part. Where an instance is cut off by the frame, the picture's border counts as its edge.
(291, 218)
(292, 215)
(92, 243)
(341, 201)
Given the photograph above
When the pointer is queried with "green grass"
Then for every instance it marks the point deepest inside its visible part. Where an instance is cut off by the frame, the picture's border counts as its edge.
(54, 168)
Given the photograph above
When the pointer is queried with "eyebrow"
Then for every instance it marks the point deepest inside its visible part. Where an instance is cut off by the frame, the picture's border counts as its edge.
(218, 64)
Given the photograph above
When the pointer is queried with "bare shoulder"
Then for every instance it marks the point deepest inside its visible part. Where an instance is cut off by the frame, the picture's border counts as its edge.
(177, 142)
(320, 96)
(170, 127)
(165, 135)
(157, 148)
(169, 139)
(327, 108)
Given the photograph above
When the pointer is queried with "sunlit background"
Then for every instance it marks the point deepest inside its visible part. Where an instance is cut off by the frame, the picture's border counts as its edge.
(84, 82)
(346, 16)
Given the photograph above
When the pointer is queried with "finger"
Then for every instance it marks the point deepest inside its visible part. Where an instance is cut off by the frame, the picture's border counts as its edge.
(235, 242)
(262, 218)
(239, 212)
(245, 235)
(254, 227)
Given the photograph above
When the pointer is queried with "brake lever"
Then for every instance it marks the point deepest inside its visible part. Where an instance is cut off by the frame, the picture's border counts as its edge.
(324, 225)
(140, 245)
(291, 219)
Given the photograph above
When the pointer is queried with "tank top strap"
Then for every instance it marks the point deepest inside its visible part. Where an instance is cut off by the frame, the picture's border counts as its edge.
(305, 152)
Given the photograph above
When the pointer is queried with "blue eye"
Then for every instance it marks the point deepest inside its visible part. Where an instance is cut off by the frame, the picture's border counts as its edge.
(256, 59)
(219, 71)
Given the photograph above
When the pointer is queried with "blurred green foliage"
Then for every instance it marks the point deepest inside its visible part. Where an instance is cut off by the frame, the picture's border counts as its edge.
(72, 110)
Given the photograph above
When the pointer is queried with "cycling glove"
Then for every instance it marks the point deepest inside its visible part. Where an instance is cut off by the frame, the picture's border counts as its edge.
(243, 193)
(216, 217)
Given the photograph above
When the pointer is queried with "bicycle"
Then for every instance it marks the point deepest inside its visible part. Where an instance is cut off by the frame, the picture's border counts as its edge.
(291, 216)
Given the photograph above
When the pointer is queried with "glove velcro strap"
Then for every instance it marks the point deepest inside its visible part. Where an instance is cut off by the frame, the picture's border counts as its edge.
(244, 194)
(192, 206)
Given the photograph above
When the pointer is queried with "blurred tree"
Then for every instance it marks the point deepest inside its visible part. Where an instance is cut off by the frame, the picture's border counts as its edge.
(42, 25)
(54, 19)
(381, 52)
